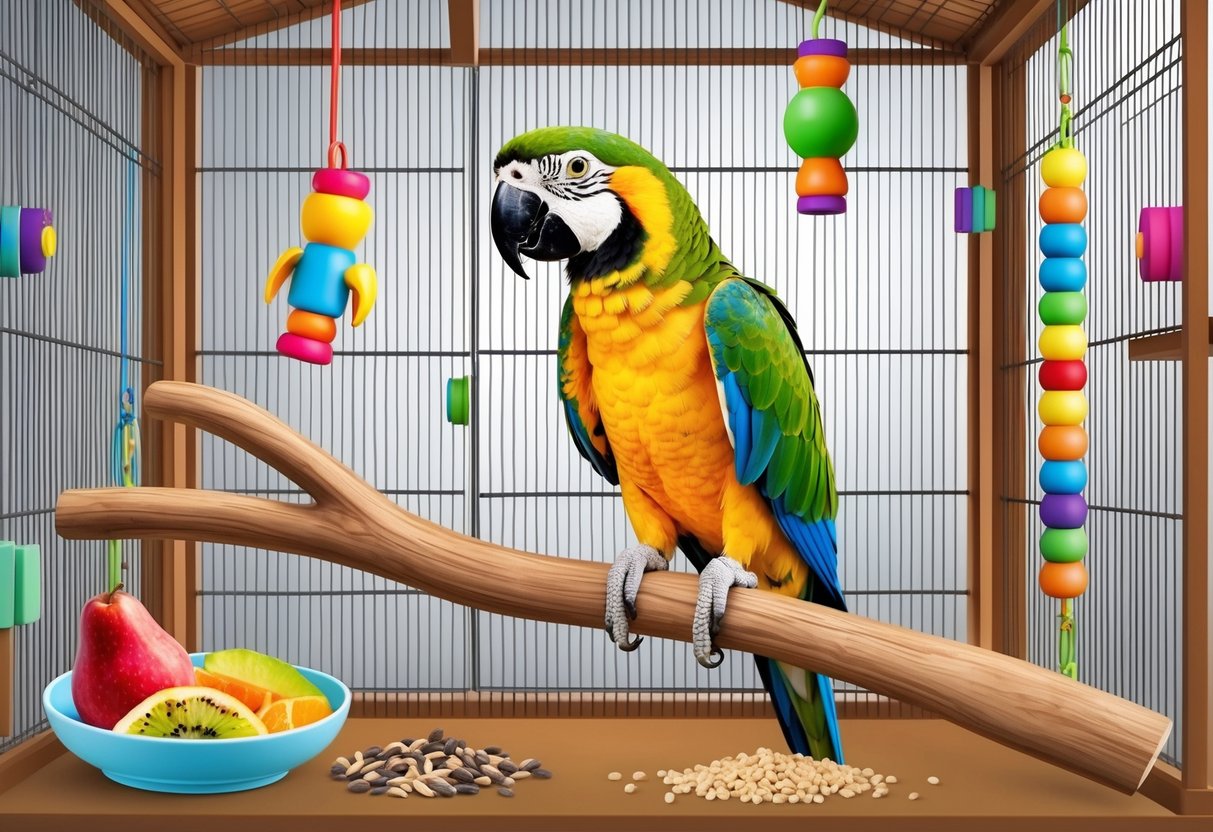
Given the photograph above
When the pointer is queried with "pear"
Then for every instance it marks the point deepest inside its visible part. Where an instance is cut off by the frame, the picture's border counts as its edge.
(124, 657)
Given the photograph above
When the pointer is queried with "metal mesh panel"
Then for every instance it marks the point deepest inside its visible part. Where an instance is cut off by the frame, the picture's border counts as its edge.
(880, 295)
(1128, 123)
(72, 99)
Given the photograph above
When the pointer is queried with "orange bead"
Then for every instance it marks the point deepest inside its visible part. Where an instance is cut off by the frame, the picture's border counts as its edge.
(310, 325)
(821, 70)
(1063, 205)
(1062, 442)
(1063, 580)
(821, 176)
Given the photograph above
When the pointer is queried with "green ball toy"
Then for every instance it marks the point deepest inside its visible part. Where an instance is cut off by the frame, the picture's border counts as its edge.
(819, 122)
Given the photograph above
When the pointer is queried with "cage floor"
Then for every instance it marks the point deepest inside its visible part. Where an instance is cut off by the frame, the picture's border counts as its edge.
(983, 786)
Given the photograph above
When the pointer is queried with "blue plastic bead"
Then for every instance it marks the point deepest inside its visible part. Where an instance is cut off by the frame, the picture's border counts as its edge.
(1063, 239)
(1068, 477)
(1063, 274)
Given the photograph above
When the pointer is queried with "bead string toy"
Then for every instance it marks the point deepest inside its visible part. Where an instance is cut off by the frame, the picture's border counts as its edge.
(820, 123)
(1063, 375)
(334, 218)
(125, 445)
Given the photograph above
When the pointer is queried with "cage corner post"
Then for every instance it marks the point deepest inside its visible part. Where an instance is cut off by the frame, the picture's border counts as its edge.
(168, 123)
(1197, 755)
(983, 114)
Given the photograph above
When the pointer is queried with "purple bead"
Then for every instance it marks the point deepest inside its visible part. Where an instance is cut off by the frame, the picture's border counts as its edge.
(822, 46)
(1063, 511)
(33, 220)
(822, 204)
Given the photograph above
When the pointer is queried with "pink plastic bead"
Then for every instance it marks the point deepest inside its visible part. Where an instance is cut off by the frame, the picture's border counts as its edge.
(341, 182)
(304, 349)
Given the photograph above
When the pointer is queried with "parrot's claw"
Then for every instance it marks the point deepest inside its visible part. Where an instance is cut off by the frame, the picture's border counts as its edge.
(623, 584)
(717, 578)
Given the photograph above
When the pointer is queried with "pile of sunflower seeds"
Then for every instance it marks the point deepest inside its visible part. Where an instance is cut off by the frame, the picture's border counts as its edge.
(433, 766)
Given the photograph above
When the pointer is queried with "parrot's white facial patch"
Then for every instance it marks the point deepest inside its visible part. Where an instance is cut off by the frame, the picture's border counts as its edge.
(575, 187)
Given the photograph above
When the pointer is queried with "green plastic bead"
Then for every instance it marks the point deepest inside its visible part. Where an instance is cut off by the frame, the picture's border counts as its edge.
(820, 122)
(1063, 308)
(458, 400)
(1063, 545)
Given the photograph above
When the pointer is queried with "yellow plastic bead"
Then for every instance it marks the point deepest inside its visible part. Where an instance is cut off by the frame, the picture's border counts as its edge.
(50, 243)
(1062, 407)
(1064, 167)
(1065, 342)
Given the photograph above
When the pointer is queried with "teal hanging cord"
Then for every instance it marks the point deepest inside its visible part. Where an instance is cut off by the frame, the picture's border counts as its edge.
(821, 12)
(124, 445)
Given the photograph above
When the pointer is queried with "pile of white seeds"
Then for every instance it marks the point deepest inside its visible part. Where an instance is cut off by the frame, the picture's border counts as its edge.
(772, 777)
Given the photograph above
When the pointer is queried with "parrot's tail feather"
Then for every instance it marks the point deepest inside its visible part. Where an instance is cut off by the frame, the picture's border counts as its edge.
(804, 704)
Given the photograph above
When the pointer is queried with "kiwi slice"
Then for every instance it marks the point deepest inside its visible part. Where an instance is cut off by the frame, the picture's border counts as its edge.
(191, 713)
(261, 670)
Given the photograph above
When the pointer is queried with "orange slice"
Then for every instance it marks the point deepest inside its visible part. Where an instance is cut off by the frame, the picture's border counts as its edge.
(252, 696)
(285, 714)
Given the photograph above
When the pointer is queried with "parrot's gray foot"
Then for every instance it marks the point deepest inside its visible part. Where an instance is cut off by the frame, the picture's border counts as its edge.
(623, 582)
(715, 581)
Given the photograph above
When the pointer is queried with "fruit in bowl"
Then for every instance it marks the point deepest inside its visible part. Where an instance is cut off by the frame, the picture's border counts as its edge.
(211, 764)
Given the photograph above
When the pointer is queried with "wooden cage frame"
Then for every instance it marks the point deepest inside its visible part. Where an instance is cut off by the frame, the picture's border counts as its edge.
(997, 614)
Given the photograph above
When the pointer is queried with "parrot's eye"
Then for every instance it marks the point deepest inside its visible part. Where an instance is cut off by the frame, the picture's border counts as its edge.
(577, 167)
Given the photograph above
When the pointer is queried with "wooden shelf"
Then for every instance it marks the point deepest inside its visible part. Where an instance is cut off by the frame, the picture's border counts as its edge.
(1164, 347)
(983, 786)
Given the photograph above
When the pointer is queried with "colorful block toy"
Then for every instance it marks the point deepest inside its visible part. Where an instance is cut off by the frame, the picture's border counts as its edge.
(27, 239)
(975, 210)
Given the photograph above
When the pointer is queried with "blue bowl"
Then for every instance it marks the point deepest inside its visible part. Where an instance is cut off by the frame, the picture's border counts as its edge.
(195, 766)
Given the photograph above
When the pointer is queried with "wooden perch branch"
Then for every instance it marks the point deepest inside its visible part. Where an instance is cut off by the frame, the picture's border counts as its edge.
(1034, 710)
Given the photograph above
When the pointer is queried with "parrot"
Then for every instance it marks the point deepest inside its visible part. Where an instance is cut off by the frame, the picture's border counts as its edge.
(685, 384)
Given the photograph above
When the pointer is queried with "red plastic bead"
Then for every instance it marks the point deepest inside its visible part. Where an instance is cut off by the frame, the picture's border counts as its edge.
(1063, 375)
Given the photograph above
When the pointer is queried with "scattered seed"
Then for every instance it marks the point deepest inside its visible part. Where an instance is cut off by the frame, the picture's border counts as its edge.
(493, 774)
(354, 768)
(467, 788)
(378, 790)
(506, 767)
(614, 775)
(435, 735)
(422, 789)
(541, 773)
(372, 766)
(847, 793)
(504, 792)
(416, 744)
(669, 797)
(913, 795)
(629, 788)
(359, 786)
(431, 747)
(481, 758)
(463, 775)
(395, 747)
(529, 764)
(891, 779)
(520, 775)
(342, 761)
(442, 787)
(639, 775)
(450, 745)
(934, 781)
(373, 751)
(492, 749)
(358, 755)
(483, 781)
(395, 791)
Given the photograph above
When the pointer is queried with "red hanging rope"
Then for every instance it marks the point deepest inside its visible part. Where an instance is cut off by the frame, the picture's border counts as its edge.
(335, 147)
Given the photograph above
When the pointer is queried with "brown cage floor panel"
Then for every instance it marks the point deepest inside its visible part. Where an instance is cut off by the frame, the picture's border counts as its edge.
(983, 786)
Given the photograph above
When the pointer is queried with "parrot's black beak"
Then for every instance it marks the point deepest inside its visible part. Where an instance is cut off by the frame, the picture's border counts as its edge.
(522, 224)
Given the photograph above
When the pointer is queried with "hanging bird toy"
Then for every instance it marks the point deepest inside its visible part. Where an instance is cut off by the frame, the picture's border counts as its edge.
(820, 123)
(334, 219)
(27, 239)
(1063, 375)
